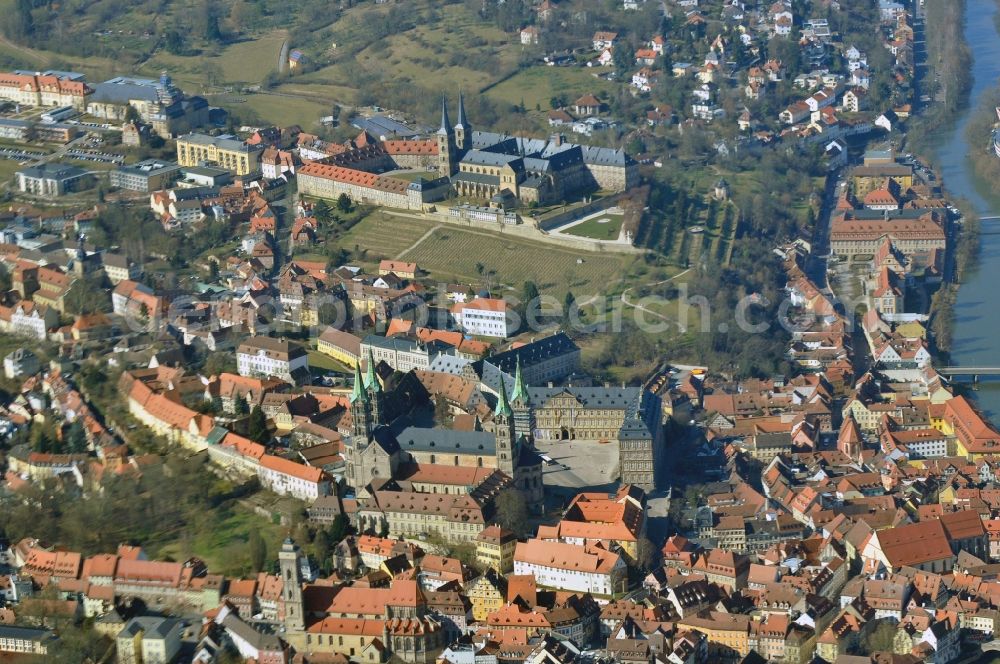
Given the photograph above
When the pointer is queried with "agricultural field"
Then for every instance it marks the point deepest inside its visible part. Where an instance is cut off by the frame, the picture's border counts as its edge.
(453, 44)
(242, 62)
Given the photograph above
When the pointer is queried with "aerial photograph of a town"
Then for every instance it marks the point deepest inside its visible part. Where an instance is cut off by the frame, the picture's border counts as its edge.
(500, 331)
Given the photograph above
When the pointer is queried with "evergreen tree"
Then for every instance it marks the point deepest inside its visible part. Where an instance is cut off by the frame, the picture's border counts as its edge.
(240, 406)
(173, 41)
(257, 426)
(569, 308)
(76, 438)
(41, 441)
(344, 203)
(321, 211)
(338, 529)
(258, 551)
(529, 302)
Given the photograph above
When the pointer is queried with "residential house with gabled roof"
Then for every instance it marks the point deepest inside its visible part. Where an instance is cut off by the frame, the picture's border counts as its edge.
(604, 39)
(725, 568)
(587, 105)
(286, 477)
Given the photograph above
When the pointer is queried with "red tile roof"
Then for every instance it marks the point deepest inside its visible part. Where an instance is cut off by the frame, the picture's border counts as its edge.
(914, 543)
(286, 467)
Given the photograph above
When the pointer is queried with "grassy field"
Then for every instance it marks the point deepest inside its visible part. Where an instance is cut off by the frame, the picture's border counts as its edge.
(224, 546)
(537, 85)
(452, 253)
(413, 176)
(243, 62)
(250, 61)
(7, 169)
(382, 235)
(593, 228)
(454, 44)
(278, 110)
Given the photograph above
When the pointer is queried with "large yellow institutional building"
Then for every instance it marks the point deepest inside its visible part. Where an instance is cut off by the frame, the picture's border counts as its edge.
(222, 151)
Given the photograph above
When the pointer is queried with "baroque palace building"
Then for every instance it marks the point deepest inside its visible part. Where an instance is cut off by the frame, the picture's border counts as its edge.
(478, 165)
(630, 415)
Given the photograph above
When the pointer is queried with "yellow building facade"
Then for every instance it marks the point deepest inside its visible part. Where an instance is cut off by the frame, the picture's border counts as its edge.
(495, 549)
(487, 594)
(228, 153)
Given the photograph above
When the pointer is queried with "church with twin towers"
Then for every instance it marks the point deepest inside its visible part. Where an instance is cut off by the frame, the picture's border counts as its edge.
(495, 167)
(482, 167)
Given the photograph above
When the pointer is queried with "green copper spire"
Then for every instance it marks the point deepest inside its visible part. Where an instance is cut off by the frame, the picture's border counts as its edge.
(520, 391)
(358, 392)
(371, 382)
(503, 407)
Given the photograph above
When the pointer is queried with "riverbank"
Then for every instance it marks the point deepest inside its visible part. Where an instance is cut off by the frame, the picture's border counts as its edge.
(974, 312)
(979, 134)
(948, 79)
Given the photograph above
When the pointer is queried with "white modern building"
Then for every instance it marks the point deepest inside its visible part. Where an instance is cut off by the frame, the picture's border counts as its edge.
(485, 317)
(288, 478)
(52, 179)
(266, 356)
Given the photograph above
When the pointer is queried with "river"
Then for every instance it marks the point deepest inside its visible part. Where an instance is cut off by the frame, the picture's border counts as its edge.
(977, 314)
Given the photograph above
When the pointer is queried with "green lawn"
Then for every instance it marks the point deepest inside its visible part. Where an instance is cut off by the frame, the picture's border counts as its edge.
(326, 363)
(7, 169)
(277, 110)
(594, 228)
(413, 176)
